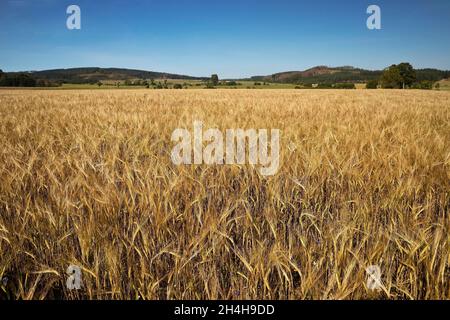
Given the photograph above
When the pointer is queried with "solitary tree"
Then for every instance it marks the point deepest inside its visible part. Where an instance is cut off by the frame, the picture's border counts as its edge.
(214, 79)
(391, 78)
(398, 76)
(407, 73)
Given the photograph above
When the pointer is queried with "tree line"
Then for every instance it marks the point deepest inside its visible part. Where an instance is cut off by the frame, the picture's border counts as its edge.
(16, 80)
(23, 80)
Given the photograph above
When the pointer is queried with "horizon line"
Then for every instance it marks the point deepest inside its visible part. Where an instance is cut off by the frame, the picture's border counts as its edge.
(226, 78)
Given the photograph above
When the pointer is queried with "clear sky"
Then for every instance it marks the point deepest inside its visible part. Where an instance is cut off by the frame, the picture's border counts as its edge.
(233, 38)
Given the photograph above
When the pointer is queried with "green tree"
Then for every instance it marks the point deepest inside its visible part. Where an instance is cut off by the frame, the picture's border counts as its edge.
(426, 85)
(372, 84)
(391, 78)
(214, 79)
(407, 73)
(17, 80)
(398, 76)
(344, 85)
(325, 85)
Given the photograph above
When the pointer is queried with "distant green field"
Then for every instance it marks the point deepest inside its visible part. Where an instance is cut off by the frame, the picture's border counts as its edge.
(193, 84)
(94, 86)
(196, 84)
(187, 84)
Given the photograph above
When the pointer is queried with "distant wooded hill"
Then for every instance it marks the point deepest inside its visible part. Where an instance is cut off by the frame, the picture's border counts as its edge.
(323, 74)
(316, 75)
(93, 75)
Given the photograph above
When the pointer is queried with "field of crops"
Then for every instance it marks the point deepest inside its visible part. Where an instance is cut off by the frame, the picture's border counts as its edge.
(86, 179)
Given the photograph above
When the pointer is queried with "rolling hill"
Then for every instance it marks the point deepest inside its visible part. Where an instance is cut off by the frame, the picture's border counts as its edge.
(92, 75)
(322, 74)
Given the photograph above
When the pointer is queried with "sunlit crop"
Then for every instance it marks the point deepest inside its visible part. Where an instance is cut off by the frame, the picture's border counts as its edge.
(86, 179)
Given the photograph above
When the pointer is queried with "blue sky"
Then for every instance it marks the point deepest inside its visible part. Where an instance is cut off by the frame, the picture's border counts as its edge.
(233, 38)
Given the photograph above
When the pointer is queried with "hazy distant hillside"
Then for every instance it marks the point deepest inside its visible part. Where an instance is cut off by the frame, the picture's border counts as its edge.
(321, 74)
(84, 75)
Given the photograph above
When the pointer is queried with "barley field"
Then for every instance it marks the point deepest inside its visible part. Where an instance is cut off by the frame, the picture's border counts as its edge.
(86, 179)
